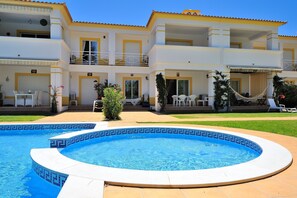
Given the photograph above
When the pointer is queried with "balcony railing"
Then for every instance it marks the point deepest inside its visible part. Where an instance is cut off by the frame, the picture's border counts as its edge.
(89, 58)
(290, 65)
(131, 59)
(102, 58)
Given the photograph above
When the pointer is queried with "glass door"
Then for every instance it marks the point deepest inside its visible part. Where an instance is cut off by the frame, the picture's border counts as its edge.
(90, 52)
(132, 89)
(183, 87)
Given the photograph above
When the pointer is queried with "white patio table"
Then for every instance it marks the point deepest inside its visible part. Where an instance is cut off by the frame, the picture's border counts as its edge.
(24, 95)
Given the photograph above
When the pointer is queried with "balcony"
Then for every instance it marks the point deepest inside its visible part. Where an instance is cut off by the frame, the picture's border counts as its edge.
(210, 58)
(290, 65)
(103, 58)
(33, 49)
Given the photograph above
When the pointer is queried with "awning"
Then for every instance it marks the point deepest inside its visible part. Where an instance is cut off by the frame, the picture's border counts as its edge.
(30, 62)
(253, 69)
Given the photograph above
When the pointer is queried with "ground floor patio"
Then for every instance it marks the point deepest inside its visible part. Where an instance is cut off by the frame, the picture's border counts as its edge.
(280, 185)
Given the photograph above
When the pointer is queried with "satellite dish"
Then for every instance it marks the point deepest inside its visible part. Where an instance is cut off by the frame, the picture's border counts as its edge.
(43, 22)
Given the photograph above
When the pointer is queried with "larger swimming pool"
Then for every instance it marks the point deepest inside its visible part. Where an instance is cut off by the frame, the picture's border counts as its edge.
(17, 179)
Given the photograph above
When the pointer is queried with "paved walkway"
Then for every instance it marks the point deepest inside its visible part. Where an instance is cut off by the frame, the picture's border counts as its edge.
(283, 184)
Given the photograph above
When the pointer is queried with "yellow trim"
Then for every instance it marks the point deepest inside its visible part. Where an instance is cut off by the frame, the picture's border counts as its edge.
(8, 97)
(152, 100)
(65, 100)
(236, 43)
(292, 50)
(56, 72)
(17, 75)
(80, 87)
(179, 41)
(157, 15)
(259, 47)
(18, 32)
(182, 78)
(291, 82)
(132, 78)
(239, 81)
(89, 39)
(56, 67)
(140, 49)
(154, 16)
(287, 37)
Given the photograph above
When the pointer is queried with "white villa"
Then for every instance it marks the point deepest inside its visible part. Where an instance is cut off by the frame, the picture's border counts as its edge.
(40, 45)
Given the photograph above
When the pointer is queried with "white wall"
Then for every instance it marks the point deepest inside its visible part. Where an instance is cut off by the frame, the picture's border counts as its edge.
(13, 27)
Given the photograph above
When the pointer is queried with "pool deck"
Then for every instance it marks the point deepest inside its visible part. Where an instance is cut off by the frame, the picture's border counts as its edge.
(280, 185)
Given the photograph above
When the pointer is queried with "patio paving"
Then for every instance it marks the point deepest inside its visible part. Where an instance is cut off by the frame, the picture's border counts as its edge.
(280, 185)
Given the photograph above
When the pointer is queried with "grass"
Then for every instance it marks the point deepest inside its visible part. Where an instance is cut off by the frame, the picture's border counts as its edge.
(233, 115)
(19, 118)
(283, 127)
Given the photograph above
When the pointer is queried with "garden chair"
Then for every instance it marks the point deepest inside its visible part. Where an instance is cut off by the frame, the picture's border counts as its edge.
(182, 100)
(192, 100)
(175, 99)
(272, 105)
(73, 99)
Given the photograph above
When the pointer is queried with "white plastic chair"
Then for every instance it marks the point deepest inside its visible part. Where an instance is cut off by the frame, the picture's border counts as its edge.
(39, 98)
(175, 99)
(135, 101)
(272, 105)
(73, 98)
(192, 100)
(182, 100)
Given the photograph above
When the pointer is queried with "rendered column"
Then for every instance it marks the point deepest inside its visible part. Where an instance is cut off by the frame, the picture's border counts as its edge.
(272, 41)
(219, 37)
(111, 48)
(160, 34)
(56, 25)
(270, 88)
(56, 83)
(211, 89)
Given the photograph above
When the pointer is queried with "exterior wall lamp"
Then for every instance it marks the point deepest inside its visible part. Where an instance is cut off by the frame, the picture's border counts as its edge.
(177, 74)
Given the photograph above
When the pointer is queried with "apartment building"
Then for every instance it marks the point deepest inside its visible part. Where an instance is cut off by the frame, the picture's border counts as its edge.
(41, 45)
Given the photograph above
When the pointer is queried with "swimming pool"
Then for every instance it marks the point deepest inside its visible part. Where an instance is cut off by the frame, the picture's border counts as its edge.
(163, 152)
(272, 159)
(17, 179)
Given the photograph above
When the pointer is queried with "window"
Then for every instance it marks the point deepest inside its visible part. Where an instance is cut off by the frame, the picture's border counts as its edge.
(235, 45)
(131, 89)
(90, 52)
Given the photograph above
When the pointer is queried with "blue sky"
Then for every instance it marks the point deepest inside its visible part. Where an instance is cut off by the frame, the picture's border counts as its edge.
(137, 12)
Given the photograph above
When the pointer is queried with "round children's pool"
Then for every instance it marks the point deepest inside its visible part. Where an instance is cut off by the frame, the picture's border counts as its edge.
(162, 151)
(161, 156)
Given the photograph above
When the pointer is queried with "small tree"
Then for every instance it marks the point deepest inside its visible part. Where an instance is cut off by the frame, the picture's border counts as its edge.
(222, 90)
(112, 103)
(162, 92)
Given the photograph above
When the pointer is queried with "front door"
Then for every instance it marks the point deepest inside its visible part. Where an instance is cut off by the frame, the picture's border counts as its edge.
(87, 92)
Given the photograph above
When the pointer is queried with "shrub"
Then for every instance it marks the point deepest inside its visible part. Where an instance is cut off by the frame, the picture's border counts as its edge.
(222, 90)
(162, 92)
(112, 103)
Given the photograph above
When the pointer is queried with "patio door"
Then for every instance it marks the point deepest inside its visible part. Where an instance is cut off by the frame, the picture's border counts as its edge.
(177, 87)
(90, 52)
(132, 89)
(87, 93)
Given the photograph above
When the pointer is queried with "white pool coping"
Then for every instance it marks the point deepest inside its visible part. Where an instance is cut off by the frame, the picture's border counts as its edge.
(273, 159)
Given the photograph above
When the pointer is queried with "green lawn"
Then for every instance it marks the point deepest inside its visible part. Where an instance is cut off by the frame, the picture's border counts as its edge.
(284, 127)
(19, 118)
(233, 115)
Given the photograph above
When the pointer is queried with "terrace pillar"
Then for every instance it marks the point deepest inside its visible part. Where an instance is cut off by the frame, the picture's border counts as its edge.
(211, 88)
(111, 48)
(56, 25)
(272, 41)
(56, 83)
(270, 89)
(219, 37)
(160, 34)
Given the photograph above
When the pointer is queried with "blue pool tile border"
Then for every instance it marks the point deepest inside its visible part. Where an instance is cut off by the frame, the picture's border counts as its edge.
(53, 177)
(62, 143)
(47, 126)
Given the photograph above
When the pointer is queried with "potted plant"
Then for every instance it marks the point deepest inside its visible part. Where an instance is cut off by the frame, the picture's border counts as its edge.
(55, 92)
(1, 96)
(99, 88)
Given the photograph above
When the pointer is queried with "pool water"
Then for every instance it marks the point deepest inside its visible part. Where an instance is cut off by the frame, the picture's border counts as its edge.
(17, 179)
(162, 152)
